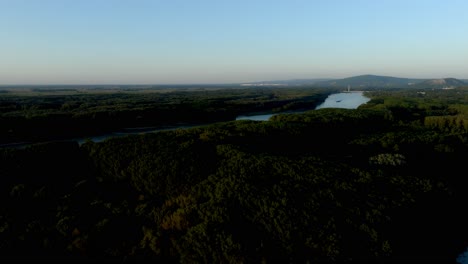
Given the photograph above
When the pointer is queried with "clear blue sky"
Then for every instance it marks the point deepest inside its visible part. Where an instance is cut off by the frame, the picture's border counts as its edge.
(221, 41)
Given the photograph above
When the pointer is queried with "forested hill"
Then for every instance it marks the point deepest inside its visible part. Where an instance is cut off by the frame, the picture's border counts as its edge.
(379, 82)
(372, 81)
(441, 83)
(384, 182)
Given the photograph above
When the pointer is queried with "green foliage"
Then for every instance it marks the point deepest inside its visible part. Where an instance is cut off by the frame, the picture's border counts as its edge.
(378, 183)
(49, 115)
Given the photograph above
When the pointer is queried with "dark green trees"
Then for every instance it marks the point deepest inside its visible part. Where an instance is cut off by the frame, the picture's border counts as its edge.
(327, 185)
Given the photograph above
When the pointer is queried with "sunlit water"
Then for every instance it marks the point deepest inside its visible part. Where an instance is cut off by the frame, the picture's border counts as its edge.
(350, 100)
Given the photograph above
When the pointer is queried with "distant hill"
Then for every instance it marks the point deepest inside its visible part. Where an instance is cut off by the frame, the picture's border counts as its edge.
(441, 83)
(366, 81)
(369, 81)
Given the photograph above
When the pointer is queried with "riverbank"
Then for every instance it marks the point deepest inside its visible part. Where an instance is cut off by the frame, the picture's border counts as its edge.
(346, 100)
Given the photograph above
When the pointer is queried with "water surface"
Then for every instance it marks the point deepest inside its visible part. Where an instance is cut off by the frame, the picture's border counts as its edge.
(349, 100)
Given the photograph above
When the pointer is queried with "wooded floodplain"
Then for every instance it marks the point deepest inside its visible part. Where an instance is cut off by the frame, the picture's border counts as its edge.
(39, 114)
(386, 181)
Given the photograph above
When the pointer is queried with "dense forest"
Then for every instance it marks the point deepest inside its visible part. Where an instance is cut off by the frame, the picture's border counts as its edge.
(41, 114)
(386, 181)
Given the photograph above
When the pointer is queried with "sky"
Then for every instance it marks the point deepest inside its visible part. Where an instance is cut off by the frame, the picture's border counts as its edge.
(235, 41)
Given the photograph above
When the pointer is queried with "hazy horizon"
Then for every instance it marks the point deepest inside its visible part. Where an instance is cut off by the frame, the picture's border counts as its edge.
(67, 42)
(207, 83)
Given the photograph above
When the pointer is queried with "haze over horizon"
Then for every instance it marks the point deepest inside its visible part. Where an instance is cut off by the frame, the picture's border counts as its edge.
(207, 41)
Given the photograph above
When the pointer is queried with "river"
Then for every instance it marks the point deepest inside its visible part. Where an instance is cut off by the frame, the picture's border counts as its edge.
(349, 100)
(131, 131)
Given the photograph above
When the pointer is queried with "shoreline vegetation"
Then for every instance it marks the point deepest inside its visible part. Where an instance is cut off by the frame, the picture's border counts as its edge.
(384, 182)
(29, 117)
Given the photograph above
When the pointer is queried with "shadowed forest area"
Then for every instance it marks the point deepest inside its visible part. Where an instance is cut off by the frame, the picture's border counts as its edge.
(40, 114)
(386, 181)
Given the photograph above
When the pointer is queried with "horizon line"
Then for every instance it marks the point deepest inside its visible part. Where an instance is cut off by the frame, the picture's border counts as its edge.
(213, 84)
